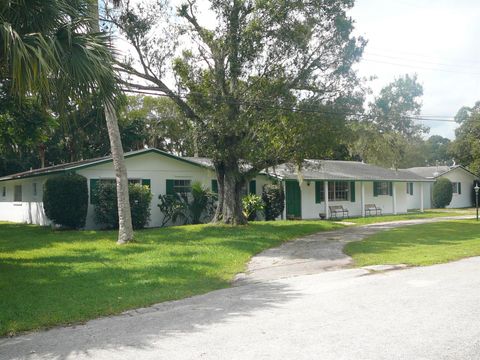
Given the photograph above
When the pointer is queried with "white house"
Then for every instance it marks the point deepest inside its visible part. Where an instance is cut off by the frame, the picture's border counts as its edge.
(352, 185)
(462, 185)
(21, 194)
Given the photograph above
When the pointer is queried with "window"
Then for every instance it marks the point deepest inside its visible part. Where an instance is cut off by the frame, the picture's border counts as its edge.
(34, 190)
(4, 191)
(178, 186)
(410, 188)
(134, 181)
(456, 188)
(17, 194)
(338, 190)
(382, 188)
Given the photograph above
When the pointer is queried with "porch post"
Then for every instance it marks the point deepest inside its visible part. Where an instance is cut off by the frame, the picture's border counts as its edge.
(362, 199)
(325, 192)
(394, 200)
(421, 197)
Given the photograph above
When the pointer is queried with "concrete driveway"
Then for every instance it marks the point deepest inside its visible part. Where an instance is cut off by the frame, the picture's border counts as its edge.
(416, 313)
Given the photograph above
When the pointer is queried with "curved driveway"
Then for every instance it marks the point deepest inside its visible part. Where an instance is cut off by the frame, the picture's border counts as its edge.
(318, 252)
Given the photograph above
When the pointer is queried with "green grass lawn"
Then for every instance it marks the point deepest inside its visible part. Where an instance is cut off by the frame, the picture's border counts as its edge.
(411, 216)
(424, 244)
(59, 277)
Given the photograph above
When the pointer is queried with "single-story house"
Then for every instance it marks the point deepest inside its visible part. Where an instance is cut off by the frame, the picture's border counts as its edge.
(21, 194)
(462, 180)
(312, 191)
(353, 185)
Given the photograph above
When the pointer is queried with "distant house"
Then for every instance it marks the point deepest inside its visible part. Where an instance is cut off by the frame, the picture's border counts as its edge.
(462, 185)
(314, 190)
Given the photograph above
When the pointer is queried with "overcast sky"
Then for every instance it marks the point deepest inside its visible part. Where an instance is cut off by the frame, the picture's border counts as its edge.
(438, 40)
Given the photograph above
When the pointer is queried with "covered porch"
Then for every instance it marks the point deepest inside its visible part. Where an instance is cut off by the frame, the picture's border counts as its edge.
(308, 199)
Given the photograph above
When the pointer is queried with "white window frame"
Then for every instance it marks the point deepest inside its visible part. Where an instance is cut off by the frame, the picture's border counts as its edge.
(35, 189)
(182, 184)
(455, 187)
(342, 194)
(383, 188)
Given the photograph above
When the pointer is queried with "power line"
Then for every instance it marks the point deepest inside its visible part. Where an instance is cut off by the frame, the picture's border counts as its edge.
(402, 58)
(312, 109)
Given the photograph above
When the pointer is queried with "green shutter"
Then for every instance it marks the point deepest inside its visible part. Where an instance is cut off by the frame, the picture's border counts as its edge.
(253, 187)
(459, 188)
(215, 186)
(147, 182)
(170, 185)
(319, 194)
(352, 191)
(411, 188)
(93, 191)
(375, 188)
(390, 188)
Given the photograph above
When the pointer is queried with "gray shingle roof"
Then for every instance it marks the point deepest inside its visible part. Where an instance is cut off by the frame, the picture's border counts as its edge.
(61, 168)
(342, 170)
(432, 172)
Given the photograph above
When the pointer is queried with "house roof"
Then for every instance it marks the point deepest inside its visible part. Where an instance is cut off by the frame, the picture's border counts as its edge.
(432, 172)
(342, 170)
(91, 162)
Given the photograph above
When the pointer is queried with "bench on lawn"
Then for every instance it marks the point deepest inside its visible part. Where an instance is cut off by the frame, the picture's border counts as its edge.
(338, 210)
(372, 209)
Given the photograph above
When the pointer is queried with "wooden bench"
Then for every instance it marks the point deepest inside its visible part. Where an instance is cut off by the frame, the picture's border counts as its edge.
(338, 210)
(372, 209)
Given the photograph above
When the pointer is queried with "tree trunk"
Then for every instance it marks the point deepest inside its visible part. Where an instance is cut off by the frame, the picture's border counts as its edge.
(125, 228)
(229, 209)
(219, 168)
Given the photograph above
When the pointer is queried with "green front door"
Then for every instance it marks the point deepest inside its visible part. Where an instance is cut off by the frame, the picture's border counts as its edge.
(293, 199)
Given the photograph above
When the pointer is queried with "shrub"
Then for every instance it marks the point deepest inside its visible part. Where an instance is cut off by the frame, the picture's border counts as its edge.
(173, 208)
(106, 209)
(192, 208)
(442, 193)
(65, 200)
(251, 205)
(274, 200)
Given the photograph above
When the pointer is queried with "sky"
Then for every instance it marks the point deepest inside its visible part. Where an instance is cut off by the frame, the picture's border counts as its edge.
(438, 40)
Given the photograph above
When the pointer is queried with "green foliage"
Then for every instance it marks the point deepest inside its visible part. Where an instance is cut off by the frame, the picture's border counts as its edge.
(252, 204)
(65, 200)
(442, 193)
(466, 146)
(389, 136)
(106, 208)
(81, 275)
(200, 203)
(274, 199)
(173, 209)
(191, 208)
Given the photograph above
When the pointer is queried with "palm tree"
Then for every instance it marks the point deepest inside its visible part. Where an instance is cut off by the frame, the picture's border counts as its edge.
(51, 48)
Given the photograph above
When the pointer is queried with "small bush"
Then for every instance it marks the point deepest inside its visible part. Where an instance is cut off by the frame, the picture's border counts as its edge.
(442, 193)
(65, 200)
(274, 199)
(251, 205)
(106, 209)
(192, 208)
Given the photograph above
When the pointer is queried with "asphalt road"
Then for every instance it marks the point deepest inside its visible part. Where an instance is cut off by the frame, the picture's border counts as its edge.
(416, 313)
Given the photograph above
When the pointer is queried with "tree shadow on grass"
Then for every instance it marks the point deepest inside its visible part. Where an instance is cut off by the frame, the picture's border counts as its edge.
(141, 328)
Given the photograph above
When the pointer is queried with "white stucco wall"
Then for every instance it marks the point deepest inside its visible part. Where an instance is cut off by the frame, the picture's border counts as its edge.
(466, 179)
(30, 209)
(413, 201)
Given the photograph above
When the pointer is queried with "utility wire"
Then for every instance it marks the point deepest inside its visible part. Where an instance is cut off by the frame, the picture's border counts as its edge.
(312, 109)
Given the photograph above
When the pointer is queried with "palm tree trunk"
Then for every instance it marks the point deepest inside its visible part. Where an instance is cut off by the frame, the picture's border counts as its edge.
(125, 228)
